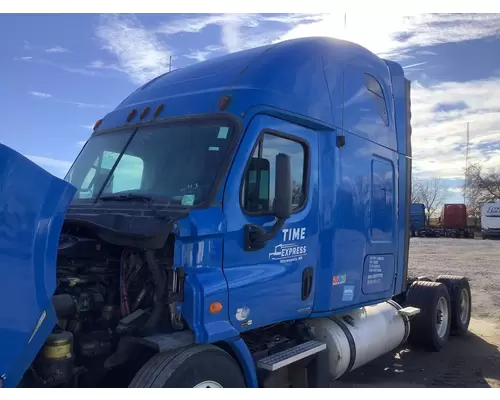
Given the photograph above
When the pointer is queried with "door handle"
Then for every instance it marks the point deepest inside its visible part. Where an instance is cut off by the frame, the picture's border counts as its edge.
(307, 281)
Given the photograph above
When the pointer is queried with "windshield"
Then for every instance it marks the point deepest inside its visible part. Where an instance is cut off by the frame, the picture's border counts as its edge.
(175, 164)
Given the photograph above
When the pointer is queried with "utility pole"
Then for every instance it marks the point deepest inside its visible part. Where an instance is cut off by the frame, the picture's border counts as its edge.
(466, 162)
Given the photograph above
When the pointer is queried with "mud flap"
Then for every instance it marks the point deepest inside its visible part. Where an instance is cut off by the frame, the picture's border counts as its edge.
(32, 207)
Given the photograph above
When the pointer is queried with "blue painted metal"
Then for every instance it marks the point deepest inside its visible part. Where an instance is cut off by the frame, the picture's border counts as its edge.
(402, 118)
(32, 207)
(314, 89)
(245, 360)
(418, 216)
(199, 249)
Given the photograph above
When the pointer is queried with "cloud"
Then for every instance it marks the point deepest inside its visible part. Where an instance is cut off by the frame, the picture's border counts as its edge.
(41, 94)
(78, 70)
(139, 52)
(84, 105)
(192, 24)
(393, 35)
(56, 49)
(27, 46)
(98, 64)
(238, 31)
(387, 35)
(96, 68)
(202, 55)
(79, 104)
(439, 134)
(52, 165)
(414, 65)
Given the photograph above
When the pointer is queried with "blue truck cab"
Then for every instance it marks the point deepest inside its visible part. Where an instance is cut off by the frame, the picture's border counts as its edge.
(417, 214)
(244, 215)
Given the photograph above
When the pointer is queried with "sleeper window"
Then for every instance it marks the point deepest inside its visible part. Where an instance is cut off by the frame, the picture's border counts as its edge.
(378, 97)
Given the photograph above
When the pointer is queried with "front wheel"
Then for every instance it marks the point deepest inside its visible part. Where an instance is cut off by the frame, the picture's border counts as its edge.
(197, 366)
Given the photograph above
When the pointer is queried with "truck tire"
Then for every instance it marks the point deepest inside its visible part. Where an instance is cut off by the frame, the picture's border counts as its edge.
(430, 328)
(461, 302)
(196, 366)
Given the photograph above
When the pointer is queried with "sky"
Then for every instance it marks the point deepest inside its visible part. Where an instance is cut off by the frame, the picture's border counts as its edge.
(61, 73)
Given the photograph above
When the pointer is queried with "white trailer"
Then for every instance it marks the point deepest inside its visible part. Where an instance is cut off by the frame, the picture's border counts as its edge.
(490, 220)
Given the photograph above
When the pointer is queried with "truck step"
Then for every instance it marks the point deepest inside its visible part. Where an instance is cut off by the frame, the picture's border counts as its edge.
(291, 355)
(409, 311)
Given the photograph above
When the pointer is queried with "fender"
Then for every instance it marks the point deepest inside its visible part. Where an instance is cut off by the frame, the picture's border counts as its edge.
(240, 350)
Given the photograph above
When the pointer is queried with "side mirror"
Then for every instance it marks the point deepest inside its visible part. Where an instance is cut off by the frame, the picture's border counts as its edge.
(256, 236)
(283, 187)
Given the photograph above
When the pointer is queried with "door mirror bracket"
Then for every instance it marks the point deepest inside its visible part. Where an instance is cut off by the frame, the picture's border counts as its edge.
(255, 235)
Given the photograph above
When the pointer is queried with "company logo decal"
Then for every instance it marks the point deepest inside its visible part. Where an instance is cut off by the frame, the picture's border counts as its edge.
(289, 250)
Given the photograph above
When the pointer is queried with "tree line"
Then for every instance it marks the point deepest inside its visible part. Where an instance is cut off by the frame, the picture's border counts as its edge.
(480, 186)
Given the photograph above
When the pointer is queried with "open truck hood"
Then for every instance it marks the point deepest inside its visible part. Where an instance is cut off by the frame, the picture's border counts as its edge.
(32, 207)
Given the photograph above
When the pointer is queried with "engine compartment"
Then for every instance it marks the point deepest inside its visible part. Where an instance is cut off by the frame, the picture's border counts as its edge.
(105, 294)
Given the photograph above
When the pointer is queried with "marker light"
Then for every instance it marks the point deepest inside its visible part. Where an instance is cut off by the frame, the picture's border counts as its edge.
(215, 307)
(96, 125)
(131, 115)
(144, 112)
(224, 102)
(158, 110)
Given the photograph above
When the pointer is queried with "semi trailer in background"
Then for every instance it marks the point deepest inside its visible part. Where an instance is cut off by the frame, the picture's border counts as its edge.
(490, 220)
(454, 221)
(418, 220)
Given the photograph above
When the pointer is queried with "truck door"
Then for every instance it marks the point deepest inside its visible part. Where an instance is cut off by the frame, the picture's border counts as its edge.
(275, 282)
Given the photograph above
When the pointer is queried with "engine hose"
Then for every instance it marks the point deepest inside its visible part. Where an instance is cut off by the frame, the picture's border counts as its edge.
(160, 289)
(124, 306)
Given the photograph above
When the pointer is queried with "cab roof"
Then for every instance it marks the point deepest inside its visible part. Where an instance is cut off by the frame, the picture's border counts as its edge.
(298, 75)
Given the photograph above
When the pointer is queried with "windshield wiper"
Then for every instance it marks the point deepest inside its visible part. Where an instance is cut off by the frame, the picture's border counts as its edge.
(126, 197)
(133, 197)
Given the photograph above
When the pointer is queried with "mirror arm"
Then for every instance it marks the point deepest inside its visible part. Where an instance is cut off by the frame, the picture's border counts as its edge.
(276, 228)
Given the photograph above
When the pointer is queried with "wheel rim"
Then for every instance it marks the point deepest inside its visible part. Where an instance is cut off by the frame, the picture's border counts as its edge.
(208, 385)
(442, 317)
(464, 306)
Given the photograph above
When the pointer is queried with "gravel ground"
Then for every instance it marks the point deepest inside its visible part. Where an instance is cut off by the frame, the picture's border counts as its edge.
(469, 361)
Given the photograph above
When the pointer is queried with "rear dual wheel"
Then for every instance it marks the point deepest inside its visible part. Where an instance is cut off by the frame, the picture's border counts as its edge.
(430, 328)
(445, 308)
(461, 302)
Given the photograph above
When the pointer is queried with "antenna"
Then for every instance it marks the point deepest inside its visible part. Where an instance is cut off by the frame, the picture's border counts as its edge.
(170, 65)
(466, 162)
(345, 20)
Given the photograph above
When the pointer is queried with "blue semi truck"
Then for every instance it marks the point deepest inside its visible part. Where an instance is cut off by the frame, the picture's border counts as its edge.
(241, 222)
(417, 215)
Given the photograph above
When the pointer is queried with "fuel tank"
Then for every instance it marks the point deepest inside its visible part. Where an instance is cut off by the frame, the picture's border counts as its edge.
(358, 337)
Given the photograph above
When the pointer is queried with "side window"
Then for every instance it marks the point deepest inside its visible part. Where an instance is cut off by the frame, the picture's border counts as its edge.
(259, 181)
(88, 184)
(377, 93)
